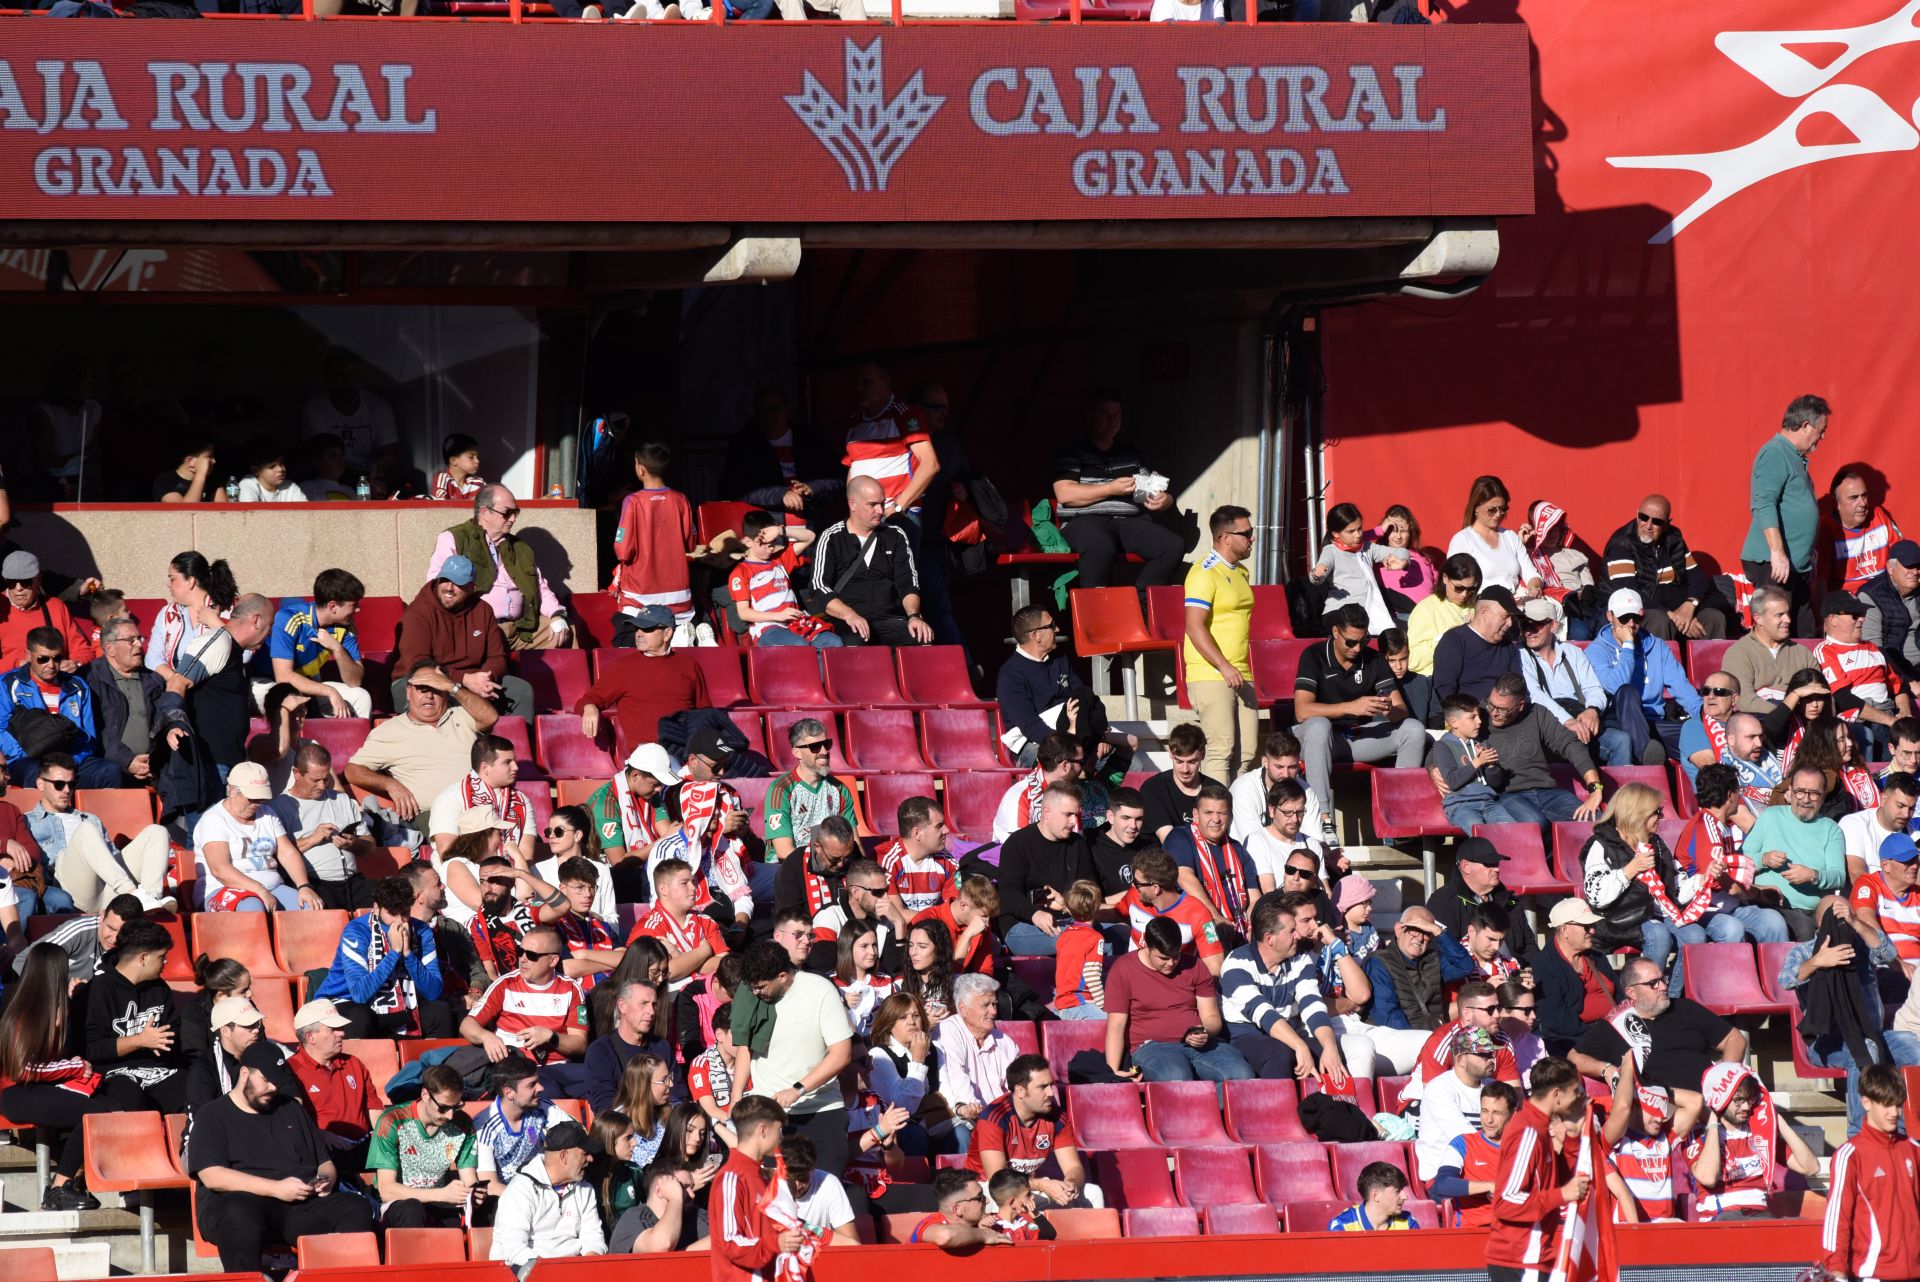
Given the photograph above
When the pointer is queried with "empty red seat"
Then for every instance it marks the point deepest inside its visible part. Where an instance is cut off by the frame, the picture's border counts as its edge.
(1350, 1159)
(1655, 777)
(1703, 659)
(273, 995)
(1161, 1221)
(1685, 804)
(885, 792)
(1134, 1178)
(721, 667)
(592, 614)
(1264, 1112)
(1062, 1039)
(558, 677)
(514, 731)
(179, 967)
(1725, 978)
(380, 1055)
(1085, 1224)
(480, 1244)
(863, 674)
(883, 739)
(340, 736)
(338, 1251)
(936, 676)
(786, 676)
(1184, 1114)
(128, 1152)
(1406, 804)
(565, 753)
(1022, 1033)
(1276, 663)
(1217, 1176)
(124, 811)
(1271, 617)
(1312, 1215)
(1526, 871)
(1771, 958)
(1569, 843)
(1254, 1217)
(29, 1264)
(1167, 611)
(971, 799)
(780, 745)
(412, 1048)
(1293, 1172)
(1109, 621)
(242, 936)
(1036, 973)
(307, 940)
(426, 1246)
(962, 739)
(752, 723)
(1105, 1114)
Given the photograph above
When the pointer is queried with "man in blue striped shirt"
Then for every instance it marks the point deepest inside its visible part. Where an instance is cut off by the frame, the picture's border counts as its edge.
(1271, 999)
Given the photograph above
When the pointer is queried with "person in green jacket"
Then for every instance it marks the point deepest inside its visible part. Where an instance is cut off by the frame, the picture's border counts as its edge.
(1786, 520)
(1801, 854)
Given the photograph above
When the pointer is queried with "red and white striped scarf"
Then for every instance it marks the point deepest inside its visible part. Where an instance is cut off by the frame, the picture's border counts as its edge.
(509, 803)
(1792, 749)
(1033, 790)
(1675, 914)
(703, 805)
(1221, 878)
(1858, 782)
(172, 625)
(636, 816)
(1740, 869)
(820, 892)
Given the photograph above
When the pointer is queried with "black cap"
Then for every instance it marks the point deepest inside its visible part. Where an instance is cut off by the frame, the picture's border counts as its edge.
(1906, 552)
(264, 1057)
(1501, 597)
(1477, 850)
(565, 1135)
(1842, 603)
(708, 743)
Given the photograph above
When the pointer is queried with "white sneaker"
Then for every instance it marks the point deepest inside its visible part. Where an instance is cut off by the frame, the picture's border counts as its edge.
(157, 903)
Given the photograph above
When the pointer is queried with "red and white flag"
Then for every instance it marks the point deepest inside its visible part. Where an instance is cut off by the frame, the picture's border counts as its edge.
(1586, 1237)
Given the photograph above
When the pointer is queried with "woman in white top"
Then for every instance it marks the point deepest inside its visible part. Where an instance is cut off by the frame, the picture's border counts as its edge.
(1502, 554)
(1176, 11)
(857, 975)
(197, 592)
(568, 833)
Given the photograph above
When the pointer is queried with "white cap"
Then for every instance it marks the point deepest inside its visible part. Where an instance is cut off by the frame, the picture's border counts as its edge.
(653, 759)
(1625, 601)
(318, 1011)
(1572, 912)
(235, 1010)
(479, 819)
(250, 778)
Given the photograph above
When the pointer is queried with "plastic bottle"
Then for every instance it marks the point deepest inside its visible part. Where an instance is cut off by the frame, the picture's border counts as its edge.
(233, 489)
(555, 492)
(363, 491)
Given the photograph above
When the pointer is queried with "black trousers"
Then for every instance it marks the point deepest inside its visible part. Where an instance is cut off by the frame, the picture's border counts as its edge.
(411, 1213)
(54, 1107)
(352, 895)
(1101, 539)
(436, 1020)
(242, 1224)
(828, 1131)
(1270, 1058)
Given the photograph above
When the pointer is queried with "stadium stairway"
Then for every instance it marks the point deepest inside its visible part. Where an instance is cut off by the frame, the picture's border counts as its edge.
(88, 1244)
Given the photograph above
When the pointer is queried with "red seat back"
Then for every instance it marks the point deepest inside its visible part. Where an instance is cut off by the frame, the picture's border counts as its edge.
(1655, 777)
(714, 519)
(786, 676)
(1062, 1039)
(1703, 659)
(971, 800)
(241, 936)
(1256, 1217)
(862, 674)
(1275, 664)
(1313, 1215)
(1271, 618)
(1109, 621)
(1022, 1033)
(1167, 611)
(1134, 1178)
(274, 998)
(1725, 978)
(381, 1057)
(29, 1264)
(426, 1246)
(515, 731)
(1526, 871)
(307, 940)
(1350, 1159)
(1406, 804)
(936, 674)
(124, 811)
(883, 739)
(1085, 1224)
(1105, 1114)
(1184, 1114)
(340, 736)
(377, 623)
(593, 613)
(1161, 1221)
(565, 753)
(721, 667)
(1264, 1112)
(1293, 1172)
(885, 792)
(180, 957)
(558, 677)
(1217, 1176)
(128, 1151)
(338, 1251)
(1569, 842)
(962, 739)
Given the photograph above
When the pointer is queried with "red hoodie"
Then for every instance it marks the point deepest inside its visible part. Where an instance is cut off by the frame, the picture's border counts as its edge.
(1527, 1207)
(745, 1241)
(1872, 1228)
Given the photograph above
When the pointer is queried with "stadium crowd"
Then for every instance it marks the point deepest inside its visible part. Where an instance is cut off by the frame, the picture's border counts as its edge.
(649, 1019)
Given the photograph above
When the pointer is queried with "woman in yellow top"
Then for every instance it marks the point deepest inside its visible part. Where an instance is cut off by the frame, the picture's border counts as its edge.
(1219, 670)
(1442, 611)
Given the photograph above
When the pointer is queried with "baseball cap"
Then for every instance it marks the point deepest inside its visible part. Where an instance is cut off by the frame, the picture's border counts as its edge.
(1478, 850)
(648, 617)
(19, 565)
(235, 1010)
(1571, 912)
(1543, 608)
(1625, 601)
(264, 1057)
(318, 1011)
(1906, 552)
(1354, 889)
(479, 819)
(250, 777)
(1842, 603)
(1476, 1041)
(566, 1135)
(1497, 595)
(653, 759)
(1899, 848)
(708, 743)
(457, 570)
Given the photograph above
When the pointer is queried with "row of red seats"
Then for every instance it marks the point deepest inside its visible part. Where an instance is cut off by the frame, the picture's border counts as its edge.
(1406, 804)
(1190, 1114)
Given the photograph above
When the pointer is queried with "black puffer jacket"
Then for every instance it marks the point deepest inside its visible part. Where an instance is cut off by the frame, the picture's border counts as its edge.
(1624, 913)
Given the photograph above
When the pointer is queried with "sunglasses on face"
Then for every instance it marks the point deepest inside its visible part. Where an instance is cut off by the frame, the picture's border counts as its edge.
(1719, 692)
(528, 952)
(1649, 983)
(43, 660)
(1146, 885)
(1633, 620)
(1658, 522)
(11, 584)
(556, 832)
(818, 745)
(58, 785)
(1299, 872)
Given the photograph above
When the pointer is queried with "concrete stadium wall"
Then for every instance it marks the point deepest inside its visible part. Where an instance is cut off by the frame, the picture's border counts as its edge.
(277, 548)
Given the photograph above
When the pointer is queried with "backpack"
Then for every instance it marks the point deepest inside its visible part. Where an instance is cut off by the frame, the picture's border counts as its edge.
(1332, 1120)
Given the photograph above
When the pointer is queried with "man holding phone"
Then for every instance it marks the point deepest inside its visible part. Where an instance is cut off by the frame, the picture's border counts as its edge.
(1163, 1014)
(326, 827)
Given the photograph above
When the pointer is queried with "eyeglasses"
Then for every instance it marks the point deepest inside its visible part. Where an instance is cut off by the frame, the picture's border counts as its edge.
(1502, 707)
(505, 513)
(425, 689)
(1633, 620)
(1246, 534)
(1650, 983)
(1807, 794)
(133, 639)
(977, 1197)
(818, 745)
(556, 832)
(1528, 1012)
(1497, 509)
(1658, 522)
(935, 407)
(1480, 1009)
(58, 785)
(1145, 885)
(1720, 692)
(1048, 626)
(1296, 871)
(1291, 812)
(1351, 643)
(871, 890)
(442, 1105)
(43, 660)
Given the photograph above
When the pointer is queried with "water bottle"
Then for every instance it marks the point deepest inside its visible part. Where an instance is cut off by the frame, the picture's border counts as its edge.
(363, 491)
(233, 490)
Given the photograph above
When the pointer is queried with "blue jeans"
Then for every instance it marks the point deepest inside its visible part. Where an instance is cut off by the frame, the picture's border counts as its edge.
(1761, 925)
(778, 635)
(1543, 806)
(1179, 1062)
(55, 900)
(1659, 940)
(1085, 1010)
(1830, 1051)
(1660, 943)
(1024, 939)
(1613, 747)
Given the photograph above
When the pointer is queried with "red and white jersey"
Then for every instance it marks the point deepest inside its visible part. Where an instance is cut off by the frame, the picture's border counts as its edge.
(1871, 1228)
(767, 586)
(1860, 554)
(445, 488)
(880, 446)
(1528, 1211)
(1198, 930)
(1745, 1170)
(511, 1005)
(1899, 916)
(709, 1076)
(650, 552)
(1645, 1164)
(745, 1241)
(1858, 668)
(680, 937)
(920, 883)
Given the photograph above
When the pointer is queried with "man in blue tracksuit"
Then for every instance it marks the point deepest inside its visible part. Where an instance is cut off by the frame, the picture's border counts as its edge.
(40, 684)
(1637, 670)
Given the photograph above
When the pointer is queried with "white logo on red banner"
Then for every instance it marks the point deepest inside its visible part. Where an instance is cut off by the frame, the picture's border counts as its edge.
(866, 134)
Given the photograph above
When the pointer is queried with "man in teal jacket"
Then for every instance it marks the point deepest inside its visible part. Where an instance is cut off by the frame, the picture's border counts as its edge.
(1786, 520)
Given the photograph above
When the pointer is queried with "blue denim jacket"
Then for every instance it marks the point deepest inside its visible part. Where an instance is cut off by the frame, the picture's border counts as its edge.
(52, 834)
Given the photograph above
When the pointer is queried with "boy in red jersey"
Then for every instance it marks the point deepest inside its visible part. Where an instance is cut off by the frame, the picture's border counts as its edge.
(1535, 1182)
(650, 549)
(1872, 1228)
(745, 1241)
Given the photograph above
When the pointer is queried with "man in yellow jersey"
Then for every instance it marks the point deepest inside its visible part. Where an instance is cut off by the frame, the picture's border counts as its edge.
(1219, 617)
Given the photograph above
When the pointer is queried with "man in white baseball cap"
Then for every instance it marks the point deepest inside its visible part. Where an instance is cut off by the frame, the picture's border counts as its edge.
(1572, 983)
(335, 1083)
(1640, 673)
(622, 810)
(236, 1023)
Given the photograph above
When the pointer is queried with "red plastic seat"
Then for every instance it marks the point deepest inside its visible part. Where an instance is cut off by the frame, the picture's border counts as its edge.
(883, 739)
(128, 1152)
(1802, 1061)
(1771, 958)
(1350, 1159)
(338, 1251)
(593, 613)
(962, 739)
(1037, 973)
(514, 731)
(1569, 843)
(340, 736)
(863, 674)
(1703, 659)
(124, 811)
(713, 519)
(426, 1246)
(1161, 1221)
(752, 723)
(1185, 1114)
(1292, 1172)
(377, 623)
(1134, 1178)
(244, 937)
(1276, 663)
(780, 750)
(1272, 620)
(1654, 777)
(1022, 1033)
(936, 676)
(29, 1264)
(971, 799)
(885, 792)
(1362, 1093)
(1725, 978)
(1062, 1039)
(480, 1244)
(1264, 1112)
(1109, 621)
(1312, 1215)
(412, 1048)
(1215, 1176)
(380, 1055)
(565, 753)
(1685, 804)
(1105, 1114)
(721, 667)
(1526, 871)
(179, 968)
(274, 997)
(575, 792)
(1085, 1224)
(559, 677)
(1406, 804)
(307, 940)
(1167, 612)
(1255, 1217)
(1390, 1089)
(786, 676)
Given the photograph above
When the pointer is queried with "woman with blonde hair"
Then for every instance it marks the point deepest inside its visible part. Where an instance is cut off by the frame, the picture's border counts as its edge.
(1632, 881)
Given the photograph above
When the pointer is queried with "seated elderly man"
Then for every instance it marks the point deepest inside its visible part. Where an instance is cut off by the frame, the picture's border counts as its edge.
(1766, 660)
(1466, 659)
(1703, 739)
(1674, 1040)
(1271, 998)
(137, 718)
(1866, 690)
(1800, 853)
(88, 871)
(328, 828)
(414, 757)
(449, 623)
(1650, 556)
(1640, 672)
(339, 1094)
(307, 637)
(973, 1054)
(534, 1008)
(29, 606)
(35, 699)
(864, 573)
(1039, 692)
(505, 572)
(1527, 738)
(652, 682)
(489, 783)
(244, 859)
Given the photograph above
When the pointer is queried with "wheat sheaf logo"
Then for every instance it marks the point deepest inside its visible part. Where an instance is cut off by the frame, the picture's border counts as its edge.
(867, 135)
(1768, 56)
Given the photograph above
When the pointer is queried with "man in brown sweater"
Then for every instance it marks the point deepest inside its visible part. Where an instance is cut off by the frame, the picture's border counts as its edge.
(1766, 660)
(449, 623)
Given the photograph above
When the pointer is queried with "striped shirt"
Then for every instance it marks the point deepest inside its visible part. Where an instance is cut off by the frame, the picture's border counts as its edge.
(1899, 917)
(881, 446)
(920, 883)
(1253, 995)
(1860, 554)
(1645, 1163)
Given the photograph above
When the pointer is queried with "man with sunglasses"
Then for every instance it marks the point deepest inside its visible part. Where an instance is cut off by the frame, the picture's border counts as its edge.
(652, 682)
(1650, 556)
(46, 684)
(505, 571)
(534, 1008)
(1674, 1040)
(1349, 708)
(1640, 673)
(414, 757)
(1704, 739)
(28, 607)
(799, 799)
(1219, 620)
